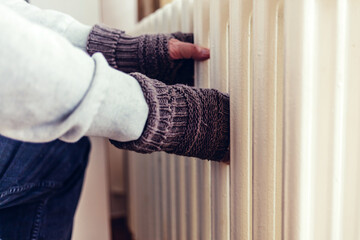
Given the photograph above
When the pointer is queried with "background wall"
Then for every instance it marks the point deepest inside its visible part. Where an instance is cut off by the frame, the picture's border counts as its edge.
(121, 14)
(86, 11)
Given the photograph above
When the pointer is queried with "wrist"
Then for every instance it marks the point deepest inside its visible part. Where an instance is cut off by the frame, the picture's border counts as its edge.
(120, 50)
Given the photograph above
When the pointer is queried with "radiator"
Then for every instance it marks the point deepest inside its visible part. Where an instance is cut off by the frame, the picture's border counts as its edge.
(292, 69)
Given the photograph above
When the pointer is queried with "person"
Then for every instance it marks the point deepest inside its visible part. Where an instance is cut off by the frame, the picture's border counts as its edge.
(62, 81)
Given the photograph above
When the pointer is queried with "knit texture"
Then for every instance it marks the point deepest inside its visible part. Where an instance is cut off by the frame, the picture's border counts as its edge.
(147, 54)
(183, 120)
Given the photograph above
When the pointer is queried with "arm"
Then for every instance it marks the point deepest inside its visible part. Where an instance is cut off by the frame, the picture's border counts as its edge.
(158, 56)
(50, 89)
(76, 32)
(183, 120)
(149, 54)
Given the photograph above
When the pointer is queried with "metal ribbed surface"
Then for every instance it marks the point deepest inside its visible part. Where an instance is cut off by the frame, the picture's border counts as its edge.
(292, 70)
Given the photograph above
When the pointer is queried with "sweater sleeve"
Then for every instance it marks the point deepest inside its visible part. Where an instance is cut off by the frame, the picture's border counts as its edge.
(51, 89)
(76, 32)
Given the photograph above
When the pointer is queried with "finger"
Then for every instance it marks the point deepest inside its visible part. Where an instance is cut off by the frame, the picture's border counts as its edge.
(200, 53)
(183, 50)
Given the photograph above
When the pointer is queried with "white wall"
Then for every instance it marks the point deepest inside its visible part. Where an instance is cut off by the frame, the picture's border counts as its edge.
(92, 219)
(86, 11)
(121, 14)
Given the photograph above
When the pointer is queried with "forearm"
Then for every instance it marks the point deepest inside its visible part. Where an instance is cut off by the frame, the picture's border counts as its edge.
(76, 32)
(50, 89)
(183, 120)
(148, 54)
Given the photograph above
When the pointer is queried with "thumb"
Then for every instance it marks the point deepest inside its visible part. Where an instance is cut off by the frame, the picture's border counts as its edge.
(184, 50)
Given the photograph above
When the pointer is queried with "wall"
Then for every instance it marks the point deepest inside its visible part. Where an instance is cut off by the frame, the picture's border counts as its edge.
(86, 11)
(121, 14)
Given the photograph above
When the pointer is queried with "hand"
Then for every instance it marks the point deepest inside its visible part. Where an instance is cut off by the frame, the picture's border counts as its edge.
(183, 120)
(184, 50)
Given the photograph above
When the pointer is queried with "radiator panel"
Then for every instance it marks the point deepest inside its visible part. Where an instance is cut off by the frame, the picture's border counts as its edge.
(292, 70)
(241, 118)
(219, 21)
(203, 168)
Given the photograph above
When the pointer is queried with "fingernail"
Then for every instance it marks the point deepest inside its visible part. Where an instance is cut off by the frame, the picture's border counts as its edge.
(205, 52)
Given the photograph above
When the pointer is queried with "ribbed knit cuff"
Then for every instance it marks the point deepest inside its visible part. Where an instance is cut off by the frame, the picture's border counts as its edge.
(147, 54)
(183, 120)
(167, 120)
(109, 41)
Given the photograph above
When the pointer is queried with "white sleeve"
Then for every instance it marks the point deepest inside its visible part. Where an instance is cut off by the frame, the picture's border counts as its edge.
(50, 89)
(61, 23)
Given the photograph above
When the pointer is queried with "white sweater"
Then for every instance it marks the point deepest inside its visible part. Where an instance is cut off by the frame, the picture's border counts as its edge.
(50, 88)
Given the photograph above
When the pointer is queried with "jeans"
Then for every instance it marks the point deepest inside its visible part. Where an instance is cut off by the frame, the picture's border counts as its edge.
(40, 186)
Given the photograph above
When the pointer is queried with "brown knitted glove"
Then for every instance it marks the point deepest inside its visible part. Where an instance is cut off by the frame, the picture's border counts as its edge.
(147, 54)
(183, 120)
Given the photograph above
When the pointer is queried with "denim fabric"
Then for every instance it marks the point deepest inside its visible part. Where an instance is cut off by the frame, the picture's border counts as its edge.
(40, 185)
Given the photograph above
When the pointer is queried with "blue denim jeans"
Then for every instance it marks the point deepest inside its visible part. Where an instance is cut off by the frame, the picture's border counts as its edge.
(40, 186)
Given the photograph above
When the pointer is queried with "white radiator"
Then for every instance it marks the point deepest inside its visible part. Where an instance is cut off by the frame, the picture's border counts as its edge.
(293, 72)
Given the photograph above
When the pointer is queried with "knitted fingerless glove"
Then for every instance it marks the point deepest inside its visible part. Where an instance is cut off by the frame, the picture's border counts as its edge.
(183, 120)
(147, 54)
